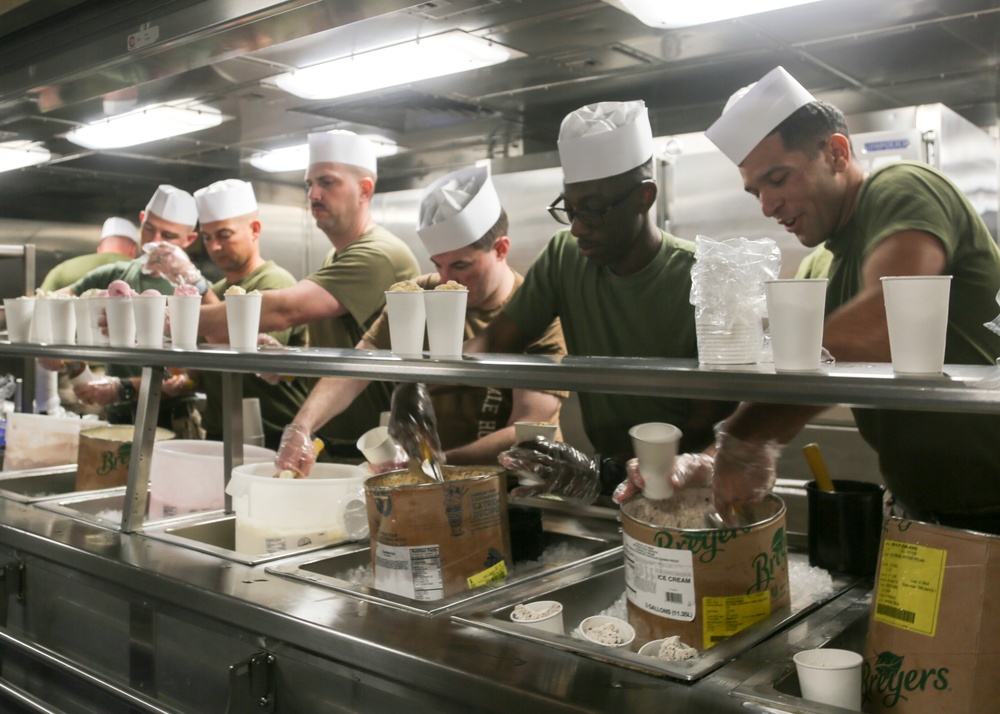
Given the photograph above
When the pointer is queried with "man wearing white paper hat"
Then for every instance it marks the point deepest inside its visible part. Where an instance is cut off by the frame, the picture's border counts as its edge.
(119, 241)
(619, 284)
(230, 228)
(795, 156)
(344, 297)
(464, 228)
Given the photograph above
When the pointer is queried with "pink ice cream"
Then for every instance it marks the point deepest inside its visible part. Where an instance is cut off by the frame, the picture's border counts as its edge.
(119, 288)
(186, 290)
(152, 292)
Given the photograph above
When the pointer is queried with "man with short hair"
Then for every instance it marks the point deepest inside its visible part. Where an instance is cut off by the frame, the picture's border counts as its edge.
(230, 229)
(464, 228)
(119, 242)
(344, 297)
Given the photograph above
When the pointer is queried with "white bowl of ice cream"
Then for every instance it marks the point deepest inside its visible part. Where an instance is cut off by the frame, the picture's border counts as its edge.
(607, 631)
(542, 615)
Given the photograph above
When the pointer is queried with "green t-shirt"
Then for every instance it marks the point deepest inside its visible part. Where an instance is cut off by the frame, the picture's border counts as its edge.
(935, 463)
(279, 403)
(358, 277)
(647, 314)
(69, 271)
(129, 271)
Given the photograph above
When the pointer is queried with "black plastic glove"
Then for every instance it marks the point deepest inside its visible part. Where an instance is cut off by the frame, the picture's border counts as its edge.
(560, 469)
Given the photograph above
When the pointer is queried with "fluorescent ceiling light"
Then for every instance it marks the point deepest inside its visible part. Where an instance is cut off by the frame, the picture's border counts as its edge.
(151, 123)
(671, 14)
(296, 158)
(427, 57)
(18, 154)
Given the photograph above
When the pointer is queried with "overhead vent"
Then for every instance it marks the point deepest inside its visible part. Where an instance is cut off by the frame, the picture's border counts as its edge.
(443, 9)
(405, 111)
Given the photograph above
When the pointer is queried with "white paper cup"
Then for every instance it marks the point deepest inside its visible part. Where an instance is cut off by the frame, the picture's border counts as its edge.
(407, 316)
(253, 424)
(551, 623)
(795, 310)
(185, 312)
(916, 308)
(529, 430)
(121, 322)
(589, 624)
(830, 676)
(655, 445)
(41, 322)
(97, 307)
(445, 322)
(377, 446)
(81, 309)
(150, 311)
(243, 319)
(62, 321)
(19, 313)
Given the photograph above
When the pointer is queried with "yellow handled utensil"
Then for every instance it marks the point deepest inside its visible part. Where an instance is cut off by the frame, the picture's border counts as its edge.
(818, 467)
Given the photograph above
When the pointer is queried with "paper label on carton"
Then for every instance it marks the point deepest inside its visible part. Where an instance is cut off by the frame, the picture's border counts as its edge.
(413, 572)
(660, 580)
(490, 575)
(723, 617)
(909, 586)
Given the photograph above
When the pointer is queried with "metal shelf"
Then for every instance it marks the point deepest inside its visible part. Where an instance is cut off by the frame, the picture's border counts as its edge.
(854, 384)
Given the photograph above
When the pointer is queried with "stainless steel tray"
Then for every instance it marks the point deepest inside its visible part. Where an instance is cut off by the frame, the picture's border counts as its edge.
(589, 590)
(30, 485)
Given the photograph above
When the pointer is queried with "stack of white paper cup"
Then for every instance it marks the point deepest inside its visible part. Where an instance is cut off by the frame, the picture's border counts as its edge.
(97, 307)
(81, 309)
(445, 322)
(736, 343)
(655, 445)
(19, 313)
(243, 319)
(916, 309)
(150, 312)
(185, 312)
(253, 424)
(407, 316)
(121, 322)
(795, 310)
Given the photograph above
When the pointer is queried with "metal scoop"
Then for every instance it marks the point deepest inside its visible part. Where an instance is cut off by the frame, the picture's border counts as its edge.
(413, 425)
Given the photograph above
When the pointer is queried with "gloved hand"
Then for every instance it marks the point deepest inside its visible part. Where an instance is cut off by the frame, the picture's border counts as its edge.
(744, 472)
(177, 385)
(168, 261)
(690, 470)
(413, 424)
(562, 470)
(102, 392)
(296, 451)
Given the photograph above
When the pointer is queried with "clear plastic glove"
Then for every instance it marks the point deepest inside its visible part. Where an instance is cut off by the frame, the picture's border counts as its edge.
(170, 262)
(177, 385)
(690, 470)
(265, 340)
(296, 452)
(102, 392)
(744, 472)
(562, 470)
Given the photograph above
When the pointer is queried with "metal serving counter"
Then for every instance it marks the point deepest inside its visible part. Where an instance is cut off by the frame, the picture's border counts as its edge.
(104, 617)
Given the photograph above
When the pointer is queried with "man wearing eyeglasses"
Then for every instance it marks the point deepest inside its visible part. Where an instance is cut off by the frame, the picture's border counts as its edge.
(619, 284)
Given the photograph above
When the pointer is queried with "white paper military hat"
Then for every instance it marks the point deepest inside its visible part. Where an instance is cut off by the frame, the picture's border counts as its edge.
(225, 199)
(173, 204)
(457, 210)
(753, 112)
(116, 226)
(342, 147)
(604, 139)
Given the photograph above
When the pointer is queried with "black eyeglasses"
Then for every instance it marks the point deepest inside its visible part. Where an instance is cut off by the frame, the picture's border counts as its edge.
(591, 217)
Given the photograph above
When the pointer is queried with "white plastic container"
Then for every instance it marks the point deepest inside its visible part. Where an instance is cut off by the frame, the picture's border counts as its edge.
(279, 514)
(188, 476)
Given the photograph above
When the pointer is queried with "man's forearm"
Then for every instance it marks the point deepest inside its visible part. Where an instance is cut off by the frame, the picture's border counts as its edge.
(758, 422)
(330, 397)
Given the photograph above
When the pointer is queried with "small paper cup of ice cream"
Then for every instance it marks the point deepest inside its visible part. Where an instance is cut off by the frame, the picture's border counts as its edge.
(544, 615)
(607, 631)
(669, 649)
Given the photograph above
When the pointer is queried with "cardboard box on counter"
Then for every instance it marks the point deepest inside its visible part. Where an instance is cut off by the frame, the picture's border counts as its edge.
(934, 631)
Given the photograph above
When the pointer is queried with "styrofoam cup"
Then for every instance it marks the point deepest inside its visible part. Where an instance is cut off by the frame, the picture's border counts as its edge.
(407, 317)
(916, 309)
(445, 322)
(243, 320)
(253, 423)
(150, 311)
(655, 445)
(97, 307)
(795, 310)
(552, 623)
(19, 313)
(377, 446)
(81, 309)
(185, 311)
(530, 430)
(121, 322)
(830, 676)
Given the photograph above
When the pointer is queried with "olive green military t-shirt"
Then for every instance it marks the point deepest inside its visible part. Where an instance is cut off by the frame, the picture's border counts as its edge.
(69, 271)
(130, 271)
